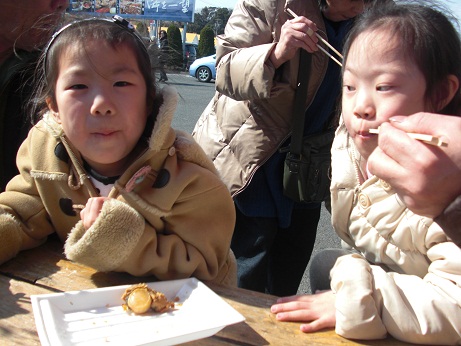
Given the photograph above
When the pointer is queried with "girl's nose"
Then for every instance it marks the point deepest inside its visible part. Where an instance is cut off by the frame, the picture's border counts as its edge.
(102, 106)
(365, 113)
(363, 107)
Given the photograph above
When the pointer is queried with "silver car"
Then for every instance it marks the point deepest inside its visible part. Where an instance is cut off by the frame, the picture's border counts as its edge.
(204, 69)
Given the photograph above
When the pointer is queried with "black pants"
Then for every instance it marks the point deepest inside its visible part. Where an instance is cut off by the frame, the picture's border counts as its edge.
(271, 259)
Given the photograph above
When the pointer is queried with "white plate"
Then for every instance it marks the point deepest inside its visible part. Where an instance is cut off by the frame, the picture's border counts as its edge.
(96, 316)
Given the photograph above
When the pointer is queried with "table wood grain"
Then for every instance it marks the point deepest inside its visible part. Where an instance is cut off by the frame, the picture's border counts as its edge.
(45, 270)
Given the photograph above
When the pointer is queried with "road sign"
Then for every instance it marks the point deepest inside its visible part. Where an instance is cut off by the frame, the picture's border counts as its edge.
(172, 10)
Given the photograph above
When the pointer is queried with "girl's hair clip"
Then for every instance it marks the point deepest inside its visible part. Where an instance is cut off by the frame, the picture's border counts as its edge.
(120, 21)
(123, 22)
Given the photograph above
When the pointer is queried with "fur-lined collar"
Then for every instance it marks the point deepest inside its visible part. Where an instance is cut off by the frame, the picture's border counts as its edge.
(164, 118)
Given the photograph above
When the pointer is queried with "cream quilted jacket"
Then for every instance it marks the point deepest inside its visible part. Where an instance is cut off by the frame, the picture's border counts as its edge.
(406, 279)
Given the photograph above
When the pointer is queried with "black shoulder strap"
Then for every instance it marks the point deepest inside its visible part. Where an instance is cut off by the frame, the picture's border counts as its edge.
(299, 103)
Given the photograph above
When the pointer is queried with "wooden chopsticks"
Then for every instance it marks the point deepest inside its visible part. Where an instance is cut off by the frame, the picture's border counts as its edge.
(294, 15)
(429, 139)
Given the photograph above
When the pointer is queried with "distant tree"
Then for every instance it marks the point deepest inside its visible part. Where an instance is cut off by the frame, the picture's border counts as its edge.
(206, 44)
(141, 28)
(198, 24)
(215, 17)
(220, 19)
(175, 44)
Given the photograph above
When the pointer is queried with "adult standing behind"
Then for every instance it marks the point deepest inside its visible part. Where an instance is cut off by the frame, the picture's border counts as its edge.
(250, 118)
(164, 51)
(427, 178)
(25, 25)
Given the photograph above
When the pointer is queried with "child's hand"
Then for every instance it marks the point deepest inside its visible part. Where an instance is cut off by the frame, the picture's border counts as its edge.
(317, 309)
(90, 213)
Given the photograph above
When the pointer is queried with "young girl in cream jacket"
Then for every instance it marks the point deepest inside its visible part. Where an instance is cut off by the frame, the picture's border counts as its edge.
(399, 273)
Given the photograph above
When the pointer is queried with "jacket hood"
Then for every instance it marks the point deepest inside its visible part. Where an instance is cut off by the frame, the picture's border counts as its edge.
(164, 118)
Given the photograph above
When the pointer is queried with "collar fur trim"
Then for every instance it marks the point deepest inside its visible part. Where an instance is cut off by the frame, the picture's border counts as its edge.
(165, 116)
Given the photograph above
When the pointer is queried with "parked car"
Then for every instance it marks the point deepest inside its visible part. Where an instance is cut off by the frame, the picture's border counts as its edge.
(204, 69)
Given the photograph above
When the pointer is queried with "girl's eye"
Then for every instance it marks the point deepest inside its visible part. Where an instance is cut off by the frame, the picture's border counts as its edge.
(383, 88)
(121, 84)
(77, 86)
(349, 88)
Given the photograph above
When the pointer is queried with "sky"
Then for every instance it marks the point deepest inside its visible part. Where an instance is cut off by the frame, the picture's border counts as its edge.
(454, 5)
(214, 3)
(456, 8)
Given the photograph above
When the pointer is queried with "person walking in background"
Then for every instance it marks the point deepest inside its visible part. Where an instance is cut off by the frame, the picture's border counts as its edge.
(164, 54)
(250, 118)
(25, 26)
(104, 170)
(402, 275)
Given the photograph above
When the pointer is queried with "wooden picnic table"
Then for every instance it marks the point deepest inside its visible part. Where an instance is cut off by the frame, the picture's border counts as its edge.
(45, 270)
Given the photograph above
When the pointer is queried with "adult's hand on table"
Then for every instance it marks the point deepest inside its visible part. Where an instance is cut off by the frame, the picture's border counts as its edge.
(427, 178)
(296, 33)
(316, 309)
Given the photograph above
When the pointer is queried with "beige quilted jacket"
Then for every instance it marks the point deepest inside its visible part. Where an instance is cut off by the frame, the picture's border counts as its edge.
(406, 279)
(251, 112)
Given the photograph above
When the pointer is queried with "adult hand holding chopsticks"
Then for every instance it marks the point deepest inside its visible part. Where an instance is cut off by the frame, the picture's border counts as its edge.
(296, 33)
(426, 177)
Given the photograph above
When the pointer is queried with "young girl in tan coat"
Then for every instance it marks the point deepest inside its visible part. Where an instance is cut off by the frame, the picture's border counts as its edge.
(106, 172)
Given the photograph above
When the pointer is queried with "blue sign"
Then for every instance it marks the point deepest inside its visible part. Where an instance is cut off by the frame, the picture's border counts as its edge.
(173, 10)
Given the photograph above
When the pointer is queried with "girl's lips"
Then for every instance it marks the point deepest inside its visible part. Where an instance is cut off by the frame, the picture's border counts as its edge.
(365, 134)
(104, 133)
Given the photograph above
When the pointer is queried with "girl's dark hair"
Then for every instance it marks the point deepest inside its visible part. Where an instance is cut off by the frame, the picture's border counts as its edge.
(426, 35)
(115, 34)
